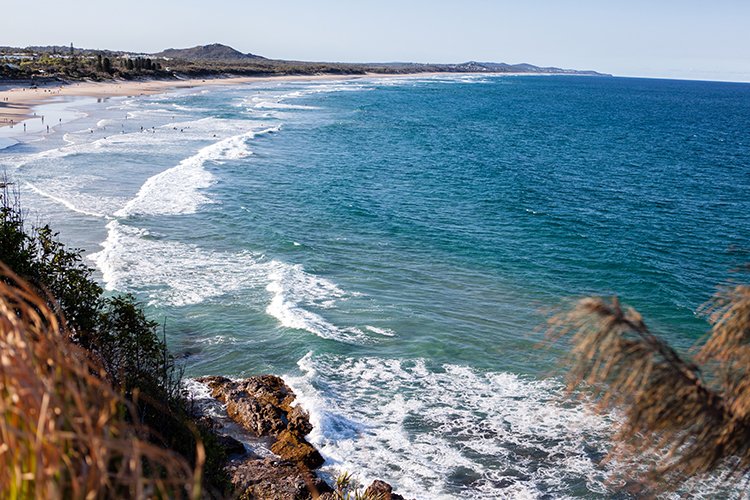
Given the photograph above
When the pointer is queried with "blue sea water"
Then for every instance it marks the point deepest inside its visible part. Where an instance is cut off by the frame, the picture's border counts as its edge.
(392, 246)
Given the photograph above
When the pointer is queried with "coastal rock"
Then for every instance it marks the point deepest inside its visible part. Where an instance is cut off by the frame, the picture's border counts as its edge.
(260, 404)
(382, 491)
(263, 406)
(269, 479)
(291, 446)
(299, 421)
(231, 445)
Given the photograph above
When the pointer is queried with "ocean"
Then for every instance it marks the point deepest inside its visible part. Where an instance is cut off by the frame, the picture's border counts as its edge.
(393, 247)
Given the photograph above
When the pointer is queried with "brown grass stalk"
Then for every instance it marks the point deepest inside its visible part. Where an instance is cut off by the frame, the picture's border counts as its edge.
(694, 423)
(64, 431)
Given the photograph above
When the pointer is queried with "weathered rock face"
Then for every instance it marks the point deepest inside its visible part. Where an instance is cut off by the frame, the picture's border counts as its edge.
(291, 446)
(382, 491)
(231, 446)
(259, 404)
(263, 406)
(268, 479)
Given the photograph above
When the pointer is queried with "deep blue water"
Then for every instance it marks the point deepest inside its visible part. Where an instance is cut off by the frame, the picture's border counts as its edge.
(393, 246)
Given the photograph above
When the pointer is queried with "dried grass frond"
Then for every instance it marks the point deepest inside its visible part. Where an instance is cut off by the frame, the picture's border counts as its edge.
(669, 411)
(728, 347)
(63, 432)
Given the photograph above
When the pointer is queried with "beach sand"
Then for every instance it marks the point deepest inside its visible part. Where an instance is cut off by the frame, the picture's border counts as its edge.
(16, 103)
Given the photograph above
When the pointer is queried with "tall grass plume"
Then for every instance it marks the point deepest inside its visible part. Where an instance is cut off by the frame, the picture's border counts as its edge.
(65, 432)
(693, 414)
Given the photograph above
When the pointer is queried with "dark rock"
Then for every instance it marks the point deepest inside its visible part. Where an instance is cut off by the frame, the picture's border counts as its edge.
(382, 491)
(231, 446)
(293, 447)
(269, 479)
(299, 421)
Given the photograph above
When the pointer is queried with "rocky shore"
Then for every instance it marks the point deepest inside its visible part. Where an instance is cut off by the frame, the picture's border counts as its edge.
(263, 433)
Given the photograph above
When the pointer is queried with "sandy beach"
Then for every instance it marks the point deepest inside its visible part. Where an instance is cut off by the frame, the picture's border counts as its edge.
(17, 103)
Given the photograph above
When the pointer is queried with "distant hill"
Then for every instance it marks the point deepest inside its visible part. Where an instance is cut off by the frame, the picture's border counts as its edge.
(215, 61)
(474, 67)
(490, 67)
(213, 52)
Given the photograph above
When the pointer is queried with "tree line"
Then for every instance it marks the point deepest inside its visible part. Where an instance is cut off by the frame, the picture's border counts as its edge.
(104, 64)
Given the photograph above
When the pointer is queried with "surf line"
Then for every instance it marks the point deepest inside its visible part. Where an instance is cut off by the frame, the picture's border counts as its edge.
(65, 202)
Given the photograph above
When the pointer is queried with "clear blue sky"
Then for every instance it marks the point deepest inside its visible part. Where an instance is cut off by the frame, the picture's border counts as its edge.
(707, 39)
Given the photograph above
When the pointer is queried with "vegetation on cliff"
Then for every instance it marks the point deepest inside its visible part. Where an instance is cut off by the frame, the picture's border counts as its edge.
(110, 360)
(66, 432)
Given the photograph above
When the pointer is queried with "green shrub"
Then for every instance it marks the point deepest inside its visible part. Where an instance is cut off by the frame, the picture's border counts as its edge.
(113, 330)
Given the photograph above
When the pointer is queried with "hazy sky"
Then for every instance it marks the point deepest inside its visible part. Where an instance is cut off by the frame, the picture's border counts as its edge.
(706, 39)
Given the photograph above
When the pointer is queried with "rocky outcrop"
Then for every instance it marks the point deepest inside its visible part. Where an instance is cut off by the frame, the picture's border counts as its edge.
(382, 491)
(291, 446)
(270, 479)
(231, 445)
(263, 406)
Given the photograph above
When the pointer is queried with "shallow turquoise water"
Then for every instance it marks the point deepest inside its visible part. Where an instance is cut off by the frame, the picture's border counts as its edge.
(391, 247)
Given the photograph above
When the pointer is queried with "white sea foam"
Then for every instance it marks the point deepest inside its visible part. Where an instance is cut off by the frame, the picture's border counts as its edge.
(177, 274)
(387, 332)
(218, 340)
(57, 154)
(295, 292)
(150, 112)
(68, 138)
(278, 101)
(178, 190)
(105, 122)
(262, 104)
(188, 109)
(451, 431)
(172, 273)
(63, 201)
(417, 428)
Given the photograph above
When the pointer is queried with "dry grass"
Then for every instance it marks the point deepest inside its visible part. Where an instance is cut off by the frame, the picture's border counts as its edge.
(63, 432)
(695, 418)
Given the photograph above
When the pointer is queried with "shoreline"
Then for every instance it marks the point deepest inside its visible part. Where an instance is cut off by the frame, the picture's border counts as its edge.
(17, 102)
